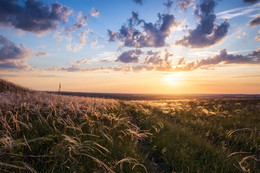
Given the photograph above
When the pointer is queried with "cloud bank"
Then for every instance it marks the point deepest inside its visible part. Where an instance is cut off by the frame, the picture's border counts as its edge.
(163, 61)
(207, 33)
(32, 15)
(131, 56)
(153, 35)
(13, 56)
(159, 61)
(10, 51)
(222, 58)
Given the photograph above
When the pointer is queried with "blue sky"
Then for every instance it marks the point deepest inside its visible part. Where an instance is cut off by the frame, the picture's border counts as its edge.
(130, 37)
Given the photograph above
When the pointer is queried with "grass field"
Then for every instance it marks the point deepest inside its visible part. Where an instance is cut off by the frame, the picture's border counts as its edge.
(42, 132)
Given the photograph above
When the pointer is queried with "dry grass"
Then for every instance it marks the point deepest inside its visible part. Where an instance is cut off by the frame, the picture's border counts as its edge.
(220, 135)
(65, 134)
(42, 132)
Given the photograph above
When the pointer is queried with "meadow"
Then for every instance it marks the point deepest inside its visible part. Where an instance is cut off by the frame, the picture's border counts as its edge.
(42, 132)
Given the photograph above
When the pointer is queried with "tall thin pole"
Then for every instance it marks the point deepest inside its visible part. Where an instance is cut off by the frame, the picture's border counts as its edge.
(59, 90)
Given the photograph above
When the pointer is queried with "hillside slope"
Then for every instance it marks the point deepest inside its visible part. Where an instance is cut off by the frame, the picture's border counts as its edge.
(8, 86)
(41, 132)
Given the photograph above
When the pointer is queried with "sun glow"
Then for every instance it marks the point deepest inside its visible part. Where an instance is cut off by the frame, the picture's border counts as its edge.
(174, 79)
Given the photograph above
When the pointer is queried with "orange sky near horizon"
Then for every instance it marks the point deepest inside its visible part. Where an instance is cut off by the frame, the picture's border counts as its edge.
(221, 80)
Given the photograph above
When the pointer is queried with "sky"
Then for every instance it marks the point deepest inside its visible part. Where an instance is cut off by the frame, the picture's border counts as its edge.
(132, 46)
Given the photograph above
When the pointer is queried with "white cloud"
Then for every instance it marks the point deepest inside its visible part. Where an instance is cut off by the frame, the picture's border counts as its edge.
(74, 47)
(248, 10)
(241, 34)
(94, 12)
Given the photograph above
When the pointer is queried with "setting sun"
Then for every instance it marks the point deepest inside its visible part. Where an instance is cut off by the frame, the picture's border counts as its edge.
(174, 79)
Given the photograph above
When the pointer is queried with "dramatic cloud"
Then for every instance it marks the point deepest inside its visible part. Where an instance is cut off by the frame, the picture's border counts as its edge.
(159, 61)
(222, 58)
(156, 61)
(10, 51)
(254, 22)
(153, 35)
(13, 56)
(32, 15)
(207, 32)
(39, 54)
(131, 56)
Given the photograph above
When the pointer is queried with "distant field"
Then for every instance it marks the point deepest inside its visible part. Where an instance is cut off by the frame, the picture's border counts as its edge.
(157, 96)
(41, 132)
(212, 135)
